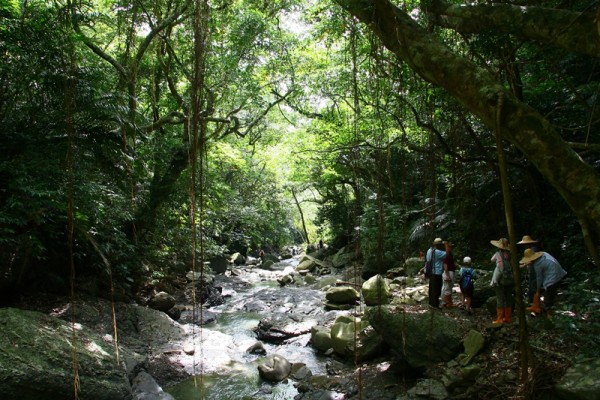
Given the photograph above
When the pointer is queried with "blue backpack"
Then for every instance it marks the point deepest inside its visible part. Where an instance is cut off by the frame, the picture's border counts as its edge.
(466, 279)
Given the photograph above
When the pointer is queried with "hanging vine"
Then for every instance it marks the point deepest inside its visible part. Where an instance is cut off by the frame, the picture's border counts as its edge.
(70, 93)
(197, 132)
(357, 207)
(523, 334)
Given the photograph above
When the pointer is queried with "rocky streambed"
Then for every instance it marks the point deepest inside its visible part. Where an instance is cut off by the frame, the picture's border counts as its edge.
(293, 329)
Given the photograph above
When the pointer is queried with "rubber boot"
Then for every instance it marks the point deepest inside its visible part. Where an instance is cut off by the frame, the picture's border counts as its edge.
(448, 301)
(535, 307)
(499, 316)
(507, 315)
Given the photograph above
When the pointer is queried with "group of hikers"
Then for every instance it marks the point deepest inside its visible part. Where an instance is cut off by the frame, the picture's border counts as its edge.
(544, 275)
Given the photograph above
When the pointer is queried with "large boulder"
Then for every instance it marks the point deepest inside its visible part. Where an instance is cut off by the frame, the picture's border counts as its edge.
(320, 338)
(162, 301)
(418, 339)
(354, 338)
(413, 265)
(581, 382)
(276, 368)
(219, 264)
(36, 362)
(342, 295)
(343, 257)
(144, 387)
(376, 291)
(308, 264)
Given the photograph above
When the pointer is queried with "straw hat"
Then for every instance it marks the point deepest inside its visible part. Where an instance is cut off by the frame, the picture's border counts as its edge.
(438, 241)
(527, 240)
(502, 243)
(530, 256)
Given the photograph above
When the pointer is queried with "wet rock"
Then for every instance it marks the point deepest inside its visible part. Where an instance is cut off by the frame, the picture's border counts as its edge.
(285, 279)
(201, 317)
(300, 372)
(276, 368)
(278, 328)
(257, 348)
(203, 292)
(144, 387)
(164, 370)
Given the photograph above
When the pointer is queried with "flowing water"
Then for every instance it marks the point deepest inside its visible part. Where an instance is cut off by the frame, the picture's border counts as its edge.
(224, 370)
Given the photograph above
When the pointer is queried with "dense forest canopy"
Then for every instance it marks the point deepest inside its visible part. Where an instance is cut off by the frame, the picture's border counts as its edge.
(128, 127)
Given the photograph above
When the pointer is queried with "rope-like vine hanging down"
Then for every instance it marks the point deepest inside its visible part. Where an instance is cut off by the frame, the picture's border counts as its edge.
(525, 349)
(70, 90)
(197, 132)
(354, 162)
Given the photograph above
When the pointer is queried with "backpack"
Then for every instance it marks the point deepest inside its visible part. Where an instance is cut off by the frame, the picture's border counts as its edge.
(428, 271)
(466, 279)
(507, 273)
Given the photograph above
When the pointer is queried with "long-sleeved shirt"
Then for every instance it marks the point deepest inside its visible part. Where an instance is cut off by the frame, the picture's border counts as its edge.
(548, 271)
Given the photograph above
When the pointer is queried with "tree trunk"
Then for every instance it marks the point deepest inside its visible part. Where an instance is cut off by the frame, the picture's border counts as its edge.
(301, 216)
(576, 181)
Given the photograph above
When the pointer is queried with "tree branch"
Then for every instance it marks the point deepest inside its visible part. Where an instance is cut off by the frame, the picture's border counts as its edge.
(569, 30)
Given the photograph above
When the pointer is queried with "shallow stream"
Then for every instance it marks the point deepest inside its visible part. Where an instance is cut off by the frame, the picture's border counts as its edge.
(223, 367)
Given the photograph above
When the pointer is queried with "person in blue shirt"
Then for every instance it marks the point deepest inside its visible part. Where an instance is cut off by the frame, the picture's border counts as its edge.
(465, 282)
(436, 255)
(549, 274)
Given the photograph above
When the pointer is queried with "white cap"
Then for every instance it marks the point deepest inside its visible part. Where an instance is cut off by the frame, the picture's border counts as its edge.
(467, 260)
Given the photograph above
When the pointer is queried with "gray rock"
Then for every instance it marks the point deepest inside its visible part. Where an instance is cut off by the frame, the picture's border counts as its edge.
(320, 338)
(342, 295)
(162, 301)
(581, 382)
(473, 344)
(276, 368)
(144, 387)
(36, 364)
(419, 340)
(376, 291)
(201, 317)
(257, 348)
(219, 264)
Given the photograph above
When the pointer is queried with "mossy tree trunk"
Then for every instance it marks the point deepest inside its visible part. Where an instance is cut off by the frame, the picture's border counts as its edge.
(479, 91)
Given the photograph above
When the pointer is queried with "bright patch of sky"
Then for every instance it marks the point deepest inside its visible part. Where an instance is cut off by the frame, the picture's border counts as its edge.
(292, 22)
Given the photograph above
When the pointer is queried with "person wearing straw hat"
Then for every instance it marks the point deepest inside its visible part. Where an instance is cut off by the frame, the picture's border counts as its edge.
(549, 275)
(529, 243)
(436, 255)
(502, 281)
